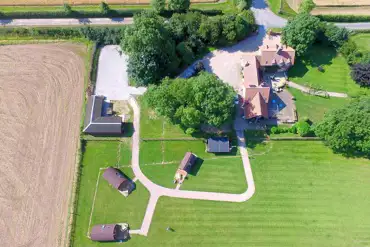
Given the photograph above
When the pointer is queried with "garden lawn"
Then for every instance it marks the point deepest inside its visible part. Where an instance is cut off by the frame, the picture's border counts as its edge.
(154, 126)
(315, 107)
(216, 173)
(305, 196)
(363, 41)
(336, 76)
(285, 11)
(110, 205)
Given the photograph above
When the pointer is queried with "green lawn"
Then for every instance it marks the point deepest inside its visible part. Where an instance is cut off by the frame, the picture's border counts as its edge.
(153, 126)
(305, 196)
(315, 107)
(219, 173)
(363, 41)
(336, 76)
(285, 12)
(110, 205)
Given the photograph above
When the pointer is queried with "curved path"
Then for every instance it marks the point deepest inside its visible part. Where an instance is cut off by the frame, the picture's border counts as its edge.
(307, 90)
(156, 190)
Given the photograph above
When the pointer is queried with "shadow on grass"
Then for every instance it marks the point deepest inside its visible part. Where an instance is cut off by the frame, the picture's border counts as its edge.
(317, 55)
(196, 167)
(254, 137)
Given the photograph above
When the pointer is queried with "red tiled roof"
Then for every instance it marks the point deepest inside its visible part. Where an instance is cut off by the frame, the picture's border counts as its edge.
(256, 102)
(271, 57)
(250, 71)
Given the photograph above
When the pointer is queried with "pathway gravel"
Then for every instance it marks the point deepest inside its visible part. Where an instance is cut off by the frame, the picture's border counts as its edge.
(156, 190)
(307, 90)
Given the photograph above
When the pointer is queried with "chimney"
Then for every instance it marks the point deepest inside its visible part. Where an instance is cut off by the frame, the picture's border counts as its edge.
(267, 46)
(277, 46)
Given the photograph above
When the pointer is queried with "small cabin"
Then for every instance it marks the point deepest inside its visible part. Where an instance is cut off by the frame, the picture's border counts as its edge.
(218, 145)
(118, 180)
(185, 166)
(110, 232)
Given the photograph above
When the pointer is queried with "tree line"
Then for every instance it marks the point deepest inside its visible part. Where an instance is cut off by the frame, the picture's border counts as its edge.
(159, 47)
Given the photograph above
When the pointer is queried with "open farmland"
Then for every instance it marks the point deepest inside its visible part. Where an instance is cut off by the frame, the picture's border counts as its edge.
(336, 7)
(341, 2)
(41, 92)
(80, 2)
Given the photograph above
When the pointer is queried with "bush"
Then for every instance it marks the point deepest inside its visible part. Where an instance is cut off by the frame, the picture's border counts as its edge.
(361, 74)
(179, 5)
(344, 18)
(350, 51)
(104, 8)
(335, 36)
(67, 9)
(306, 6)
(303, 128)
(158, 5)
(185, 52)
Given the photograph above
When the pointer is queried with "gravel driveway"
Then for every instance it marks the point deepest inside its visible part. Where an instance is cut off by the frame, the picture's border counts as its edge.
(226, 62)
(112, 81)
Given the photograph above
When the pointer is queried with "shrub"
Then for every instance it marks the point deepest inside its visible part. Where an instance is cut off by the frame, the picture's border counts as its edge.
(67, 9)
(335, 36)
(344, 18)
(361, 74)
(306, 6)
(293, 129)
(179, 5)
(275, 130)
(303, 128)
(185, 52)
(158, 5)
(350, 51)
(104, 8)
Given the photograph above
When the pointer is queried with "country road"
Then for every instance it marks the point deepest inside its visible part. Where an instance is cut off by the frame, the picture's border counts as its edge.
(264, 17)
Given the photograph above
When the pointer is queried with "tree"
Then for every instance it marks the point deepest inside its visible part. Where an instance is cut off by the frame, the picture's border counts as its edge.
(104, 8)
(214, 98)
(306, 6)
(301, 32)
(158, 5)
(185, 52)
(179, 5)
(335, 36)
(303, 128)
(67, 9)
(350, 51)
(361, 74)
(346, 130)
(210, 30)
(203, 99)
(150, 48)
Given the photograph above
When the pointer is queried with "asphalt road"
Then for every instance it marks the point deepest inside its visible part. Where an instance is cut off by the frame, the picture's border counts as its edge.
(264, 17)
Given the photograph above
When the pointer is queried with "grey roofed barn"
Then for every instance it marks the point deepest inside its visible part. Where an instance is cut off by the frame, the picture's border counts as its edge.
(218, 145)
(187, 162)
(104, 232)
(96, 121)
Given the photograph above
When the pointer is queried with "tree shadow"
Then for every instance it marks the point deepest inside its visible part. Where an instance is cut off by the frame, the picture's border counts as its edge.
(254, 138)
(318, 55)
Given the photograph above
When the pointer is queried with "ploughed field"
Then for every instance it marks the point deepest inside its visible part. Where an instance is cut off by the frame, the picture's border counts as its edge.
(41, 97)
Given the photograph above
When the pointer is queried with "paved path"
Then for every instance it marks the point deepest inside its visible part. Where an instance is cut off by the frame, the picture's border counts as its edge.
(264, 17)
(156, 190)
(112, 79)
(307, 90)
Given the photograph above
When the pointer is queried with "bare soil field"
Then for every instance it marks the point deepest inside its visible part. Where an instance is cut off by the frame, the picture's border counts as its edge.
(81, 2)
(364, 10)
(341, 2)
(41, 97)
(294, 4)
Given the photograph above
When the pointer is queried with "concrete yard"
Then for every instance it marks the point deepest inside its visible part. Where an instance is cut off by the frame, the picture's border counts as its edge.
(112, 81)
